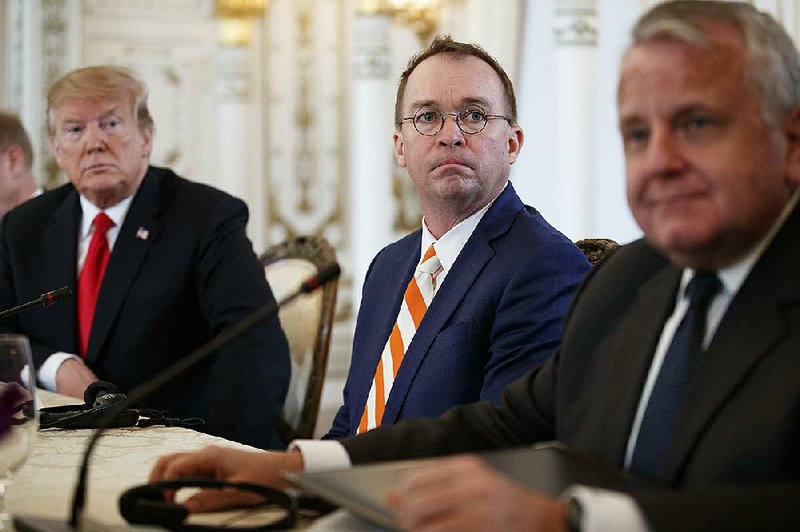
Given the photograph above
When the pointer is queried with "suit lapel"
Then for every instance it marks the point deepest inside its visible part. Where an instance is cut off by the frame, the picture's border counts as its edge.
(472, 259)
(126, 259)
(61, 241)
(735, 350)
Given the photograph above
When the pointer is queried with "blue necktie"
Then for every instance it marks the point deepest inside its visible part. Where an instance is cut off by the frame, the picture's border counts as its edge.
(683, 356)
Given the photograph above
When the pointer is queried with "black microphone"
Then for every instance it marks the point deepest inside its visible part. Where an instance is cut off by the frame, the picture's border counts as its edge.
(141, 391)
(46, 299)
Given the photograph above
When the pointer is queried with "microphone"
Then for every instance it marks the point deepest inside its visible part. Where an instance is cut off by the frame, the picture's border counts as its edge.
(141, 391)
(46, 299)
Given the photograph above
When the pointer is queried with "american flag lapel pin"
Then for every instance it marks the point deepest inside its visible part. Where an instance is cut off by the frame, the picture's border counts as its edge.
(142, 233)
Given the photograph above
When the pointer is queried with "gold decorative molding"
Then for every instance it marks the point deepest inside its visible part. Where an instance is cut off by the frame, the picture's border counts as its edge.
(236, 20)
(421, 15)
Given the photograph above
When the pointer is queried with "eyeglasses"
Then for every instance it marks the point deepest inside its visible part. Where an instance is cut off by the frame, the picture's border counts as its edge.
(471, 119)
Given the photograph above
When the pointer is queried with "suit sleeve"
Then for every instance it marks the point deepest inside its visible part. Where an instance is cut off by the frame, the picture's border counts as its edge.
(526, 416)
(250, 377)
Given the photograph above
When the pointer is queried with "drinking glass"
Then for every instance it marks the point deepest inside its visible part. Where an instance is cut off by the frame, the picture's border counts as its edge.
(19, 418)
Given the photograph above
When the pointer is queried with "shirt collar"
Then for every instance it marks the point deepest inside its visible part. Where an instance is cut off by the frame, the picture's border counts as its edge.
(117, 214)
(733, 276)
(453, 241)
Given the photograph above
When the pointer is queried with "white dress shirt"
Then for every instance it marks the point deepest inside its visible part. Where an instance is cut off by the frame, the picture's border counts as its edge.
(47, 371)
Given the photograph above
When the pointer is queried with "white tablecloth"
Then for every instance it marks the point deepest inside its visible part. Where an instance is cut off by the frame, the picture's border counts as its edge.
(44, 485)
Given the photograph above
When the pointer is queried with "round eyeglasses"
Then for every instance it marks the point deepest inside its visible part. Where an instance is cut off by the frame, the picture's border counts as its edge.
(470, 119)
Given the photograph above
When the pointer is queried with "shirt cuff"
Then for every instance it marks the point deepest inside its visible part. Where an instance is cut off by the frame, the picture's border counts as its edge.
(603, 510)
(322, 455)
(47, 371)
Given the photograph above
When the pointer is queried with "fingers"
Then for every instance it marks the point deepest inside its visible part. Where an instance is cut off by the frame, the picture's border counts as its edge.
(209, 500)
(463, 493)
(203, 463)
(429, 498)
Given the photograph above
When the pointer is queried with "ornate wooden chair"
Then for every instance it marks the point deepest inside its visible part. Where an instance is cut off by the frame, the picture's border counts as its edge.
(307, 323)
(596, 248)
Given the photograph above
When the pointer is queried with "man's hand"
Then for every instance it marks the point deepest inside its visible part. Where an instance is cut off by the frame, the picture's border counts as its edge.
(72, 378)
(230, 465)
(463, 493)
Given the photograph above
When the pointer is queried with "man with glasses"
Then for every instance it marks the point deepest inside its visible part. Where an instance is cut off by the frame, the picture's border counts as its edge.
(482, 287)
(499, 278)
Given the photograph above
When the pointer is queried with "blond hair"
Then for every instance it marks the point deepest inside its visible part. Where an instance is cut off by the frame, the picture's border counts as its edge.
(105, 82)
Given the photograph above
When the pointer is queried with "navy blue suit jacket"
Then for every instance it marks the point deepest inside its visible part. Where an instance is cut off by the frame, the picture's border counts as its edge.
(497, 315)
(189, 273)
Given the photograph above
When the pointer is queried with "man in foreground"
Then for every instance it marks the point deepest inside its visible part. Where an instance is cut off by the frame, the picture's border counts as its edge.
(158, 265)
(680, 355)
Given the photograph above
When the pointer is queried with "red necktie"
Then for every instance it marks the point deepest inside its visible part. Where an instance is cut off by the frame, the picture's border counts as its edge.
(90, 278)
(417, 298)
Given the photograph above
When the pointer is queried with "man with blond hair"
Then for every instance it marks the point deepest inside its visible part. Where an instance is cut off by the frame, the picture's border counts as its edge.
(159, 265)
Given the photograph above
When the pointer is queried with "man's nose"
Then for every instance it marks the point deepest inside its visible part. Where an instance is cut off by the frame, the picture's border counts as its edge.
(95, 138)
(665, 152)
(451, 134)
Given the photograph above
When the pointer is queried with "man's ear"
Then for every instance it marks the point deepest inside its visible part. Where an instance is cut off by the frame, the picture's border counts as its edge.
(515, 141)
(14, 159)
(791, 128)
(399, 148)
(147, 146)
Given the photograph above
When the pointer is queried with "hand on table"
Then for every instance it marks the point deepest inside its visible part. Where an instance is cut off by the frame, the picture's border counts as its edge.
(463, 493)
(72, 378)
(231, 465)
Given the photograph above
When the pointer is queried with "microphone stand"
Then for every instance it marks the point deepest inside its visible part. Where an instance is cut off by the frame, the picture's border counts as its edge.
(141, 391)
(46, 299)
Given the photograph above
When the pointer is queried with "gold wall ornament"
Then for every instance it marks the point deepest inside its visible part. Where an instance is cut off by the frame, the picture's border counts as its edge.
(236, 20)
(245, 9)
(421, 15)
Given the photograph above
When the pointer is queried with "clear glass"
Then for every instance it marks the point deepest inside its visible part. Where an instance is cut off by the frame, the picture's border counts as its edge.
(19, 417)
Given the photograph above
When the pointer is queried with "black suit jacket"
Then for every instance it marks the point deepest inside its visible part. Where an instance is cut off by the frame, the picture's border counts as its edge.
(734, 462)
(181, 271)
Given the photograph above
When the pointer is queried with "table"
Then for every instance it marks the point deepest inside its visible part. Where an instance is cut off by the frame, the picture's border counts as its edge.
(43, 487)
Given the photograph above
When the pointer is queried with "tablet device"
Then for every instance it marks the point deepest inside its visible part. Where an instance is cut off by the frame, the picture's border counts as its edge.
(548, 468)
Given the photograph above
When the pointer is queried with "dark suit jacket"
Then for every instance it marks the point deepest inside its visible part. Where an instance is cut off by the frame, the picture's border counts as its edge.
(734, 462)
(498, 314)
(162, 296)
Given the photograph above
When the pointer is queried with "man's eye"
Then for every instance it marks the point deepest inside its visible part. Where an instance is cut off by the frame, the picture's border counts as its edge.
(698, 122)
(426, 117)
(72, 130)
(635, 136)
(473, 116)
(111, 124)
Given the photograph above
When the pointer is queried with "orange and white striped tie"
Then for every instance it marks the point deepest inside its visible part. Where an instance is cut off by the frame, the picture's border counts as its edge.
(416, 300)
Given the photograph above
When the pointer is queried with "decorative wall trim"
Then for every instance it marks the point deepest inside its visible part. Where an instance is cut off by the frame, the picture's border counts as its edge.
(55, 49)
(576, 23)
(148, 9)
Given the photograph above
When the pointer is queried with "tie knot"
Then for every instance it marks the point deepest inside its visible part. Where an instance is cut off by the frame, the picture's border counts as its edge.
(102, 223)
(702, 289)
(430, 261)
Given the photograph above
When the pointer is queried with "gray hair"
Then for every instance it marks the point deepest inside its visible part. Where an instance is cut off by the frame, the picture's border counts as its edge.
(772, 62)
